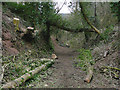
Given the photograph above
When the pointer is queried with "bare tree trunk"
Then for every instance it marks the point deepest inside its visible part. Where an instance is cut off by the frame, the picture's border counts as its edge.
(76, 7)
(95, 14)
(48, 36)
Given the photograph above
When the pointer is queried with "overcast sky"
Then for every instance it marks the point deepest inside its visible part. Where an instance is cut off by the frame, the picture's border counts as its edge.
(65, 7)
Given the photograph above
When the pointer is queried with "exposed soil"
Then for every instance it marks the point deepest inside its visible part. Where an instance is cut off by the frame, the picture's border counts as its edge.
(63, 74)
(12, 41)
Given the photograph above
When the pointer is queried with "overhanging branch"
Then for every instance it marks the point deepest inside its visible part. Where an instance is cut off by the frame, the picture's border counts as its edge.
(85, 17)
(61, 7)
(71, 30)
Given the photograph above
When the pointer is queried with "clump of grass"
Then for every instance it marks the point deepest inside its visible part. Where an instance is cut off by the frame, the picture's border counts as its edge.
(84, 59)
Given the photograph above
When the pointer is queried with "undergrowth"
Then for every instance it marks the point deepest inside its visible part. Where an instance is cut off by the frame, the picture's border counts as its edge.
(16, 66)
(106, 35)
(84, 59)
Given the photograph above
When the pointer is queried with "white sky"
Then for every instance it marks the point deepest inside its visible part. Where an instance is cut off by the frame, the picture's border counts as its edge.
(65, 7)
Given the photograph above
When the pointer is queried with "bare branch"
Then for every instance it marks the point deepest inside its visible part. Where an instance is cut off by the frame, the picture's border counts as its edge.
(61, 7)
(85, 17)
(71, 30)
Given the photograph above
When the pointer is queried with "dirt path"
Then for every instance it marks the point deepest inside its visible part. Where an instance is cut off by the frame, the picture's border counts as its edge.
(62, 74)
(65, 74)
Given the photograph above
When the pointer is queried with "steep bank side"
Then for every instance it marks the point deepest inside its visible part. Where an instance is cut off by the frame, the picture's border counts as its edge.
(13, 42)
(19, 55)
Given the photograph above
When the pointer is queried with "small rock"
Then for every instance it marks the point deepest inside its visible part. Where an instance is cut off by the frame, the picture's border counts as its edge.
(31, 85)
(29, 51)
(106, 53)
(46, 85)
(30, 28)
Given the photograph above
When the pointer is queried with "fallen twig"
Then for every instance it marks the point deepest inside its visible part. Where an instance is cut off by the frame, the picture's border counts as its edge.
(1, 74)
(45, 59)
(111, 68)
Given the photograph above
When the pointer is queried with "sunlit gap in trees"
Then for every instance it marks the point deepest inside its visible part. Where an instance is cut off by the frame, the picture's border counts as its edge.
(65, 8)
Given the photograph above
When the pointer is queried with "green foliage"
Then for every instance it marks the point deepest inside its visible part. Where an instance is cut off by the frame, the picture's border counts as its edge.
(27, 11)
(106, 34)
(115, 7)
(76, 19)
(84, 59)
(47, 12)
(34, 12)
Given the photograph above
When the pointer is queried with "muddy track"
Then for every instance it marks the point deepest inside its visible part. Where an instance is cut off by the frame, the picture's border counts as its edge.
(64, 73)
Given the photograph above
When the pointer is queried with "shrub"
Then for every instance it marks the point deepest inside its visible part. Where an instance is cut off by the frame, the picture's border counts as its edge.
(85, 59)
(106, 34)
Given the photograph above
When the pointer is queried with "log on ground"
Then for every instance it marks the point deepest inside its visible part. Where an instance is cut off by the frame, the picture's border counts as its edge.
(25, 77)
(89, 74)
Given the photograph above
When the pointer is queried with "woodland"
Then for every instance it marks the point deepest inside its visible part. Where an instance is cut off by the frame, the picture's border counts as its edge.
(43, 48)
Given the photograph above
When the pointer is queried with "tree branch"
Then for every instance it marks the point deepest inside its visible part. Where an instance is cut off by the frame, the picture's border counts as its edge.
(26, 76)
(61, 7)
(85, 17)
(71, 30)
